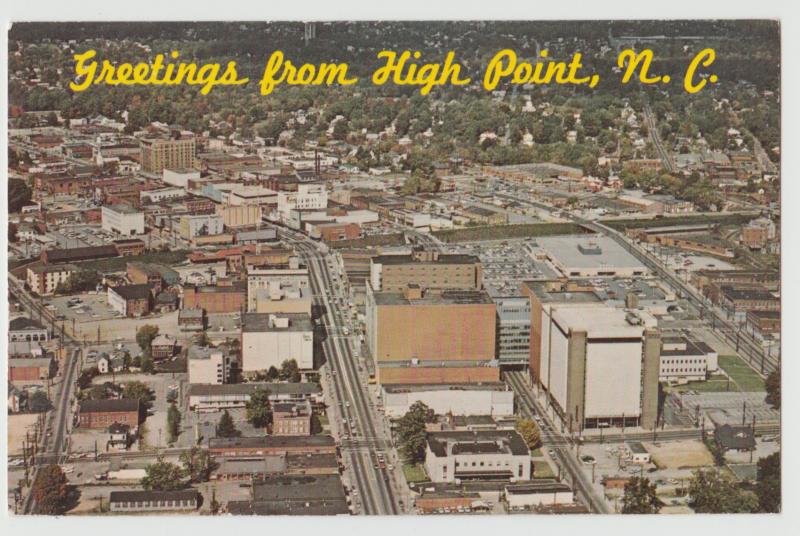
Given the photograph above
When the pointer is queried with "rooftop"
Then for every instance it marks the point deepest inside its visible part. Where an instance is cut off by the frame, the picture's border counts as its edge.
(602, 322)
(587, 252)
(248, 388)
(260, 322)
(109, 405)
(445, 297)
(477, 442)
(132, 292)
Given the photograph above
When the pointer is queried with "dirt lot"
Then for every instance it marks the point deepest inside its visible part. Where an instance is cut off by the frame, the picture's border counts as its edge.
(680, 454)
(17, 426)
(125, 328)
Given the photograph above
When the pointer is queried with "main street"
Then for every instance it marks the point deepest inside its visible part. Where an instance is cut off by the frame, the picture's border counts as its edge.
(58, 422)
(377, 486)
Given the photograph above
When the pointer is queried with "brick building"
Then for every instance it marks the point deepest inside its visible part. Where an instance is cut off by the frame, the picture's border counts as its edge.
(215, 299)
(103, 413)
(291, 419)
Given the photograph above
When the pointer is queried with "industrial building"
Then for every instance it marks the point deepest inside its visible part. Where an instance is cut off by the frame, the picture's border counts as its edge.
(588, 256)
(270, 339)
(432, 336)
(428, 269)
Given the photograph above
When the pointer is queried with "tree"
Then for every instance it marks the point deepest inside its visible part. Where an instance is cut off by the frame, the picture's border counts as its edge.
(173, 422)
(80, 281)
(411, 430)
(259, 409)
(768, 487)
(12, 232)
(214, 505)
(145, 336)
(163, 476)
(201, 339)
(272, 374)
(197, 464)
(640, 497)
(38, 402)
(51, 491)
(530, 432)
(316, 424)
(773, 386)
(226, 426)
(139, 391)
(713, 492)
(289, 371)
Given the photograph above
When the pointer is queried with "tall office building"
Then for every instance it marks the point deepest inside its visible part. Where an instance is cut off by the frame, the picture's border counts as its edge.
(163, 153)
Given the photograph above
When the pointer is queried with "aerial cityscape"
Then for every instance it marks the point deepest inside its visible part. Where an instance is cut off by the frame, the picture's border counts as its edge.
(364, 300)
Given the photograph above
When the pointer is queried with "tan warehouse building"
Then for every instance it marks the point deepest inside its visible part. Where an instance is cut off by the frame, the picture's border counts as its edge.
(428, 269)
(432, 337)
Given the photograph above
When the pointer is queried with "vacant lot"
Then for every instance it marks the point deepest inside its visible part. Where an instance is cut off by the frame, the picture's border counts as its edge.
(715, 384)
(740, 373)
(679, 454)
(18, 425)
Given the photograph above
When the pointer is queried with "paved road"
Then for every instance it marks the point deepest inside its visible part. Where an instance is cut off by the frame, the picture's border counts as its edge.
(553, 440)
(376, 486)
(58, 421)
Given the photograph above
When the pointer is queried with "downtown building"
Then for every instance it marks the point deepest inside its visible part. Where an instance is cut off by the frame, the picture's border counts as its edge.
(175, 152)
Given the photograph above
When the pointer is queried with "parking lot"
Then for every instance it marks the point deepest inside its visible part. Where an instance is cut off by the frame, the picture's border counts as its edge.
(506, 264)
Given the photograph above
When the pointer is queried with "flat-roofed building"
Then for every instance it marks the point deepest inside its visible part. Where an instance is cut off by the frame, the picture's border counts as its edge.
(600, 366)
(279, 298)
(433, 336)
(588, 256)
(736, 301)
(215, 397)
(163, 153)
(490, 398)
(44, 279)
(185, 500)
(513, 330)
(122, 219)
(428, 269)
(209, 365)
(239, 216)
(684, 360)
(490, 454)
(270, 339)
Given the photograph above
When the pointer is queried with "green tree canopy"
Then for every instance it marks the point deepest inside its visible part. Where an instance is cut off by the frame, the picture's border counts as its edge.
(289, 371)
(145, 336)
(51, 491)
(773, 386)
(163, 476)
(640, 497)
(411, 430)
(198, 464)
(226, 427)
(259, 409)
(714, 492)
(768, 487)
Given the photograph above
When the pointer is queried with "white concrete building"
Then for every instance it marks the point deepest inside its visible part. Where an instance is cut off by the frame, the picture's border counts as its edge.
(307, 197)
(192, 226)
(541, 493)
(476, 455)
(270, 339)
(485, 399)
(161, 194)
(599, 366)
(207, 365)
(253, 195)
(123, 220)
(587, 256)
(683, 360)
(180, 177)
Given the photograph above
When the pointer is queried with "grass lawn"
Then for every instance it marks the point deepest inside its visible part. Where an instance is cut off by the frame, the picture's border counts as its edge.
(415, 472)
(741, 374)
(536, 453)
(542, 469)
(716, 383)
